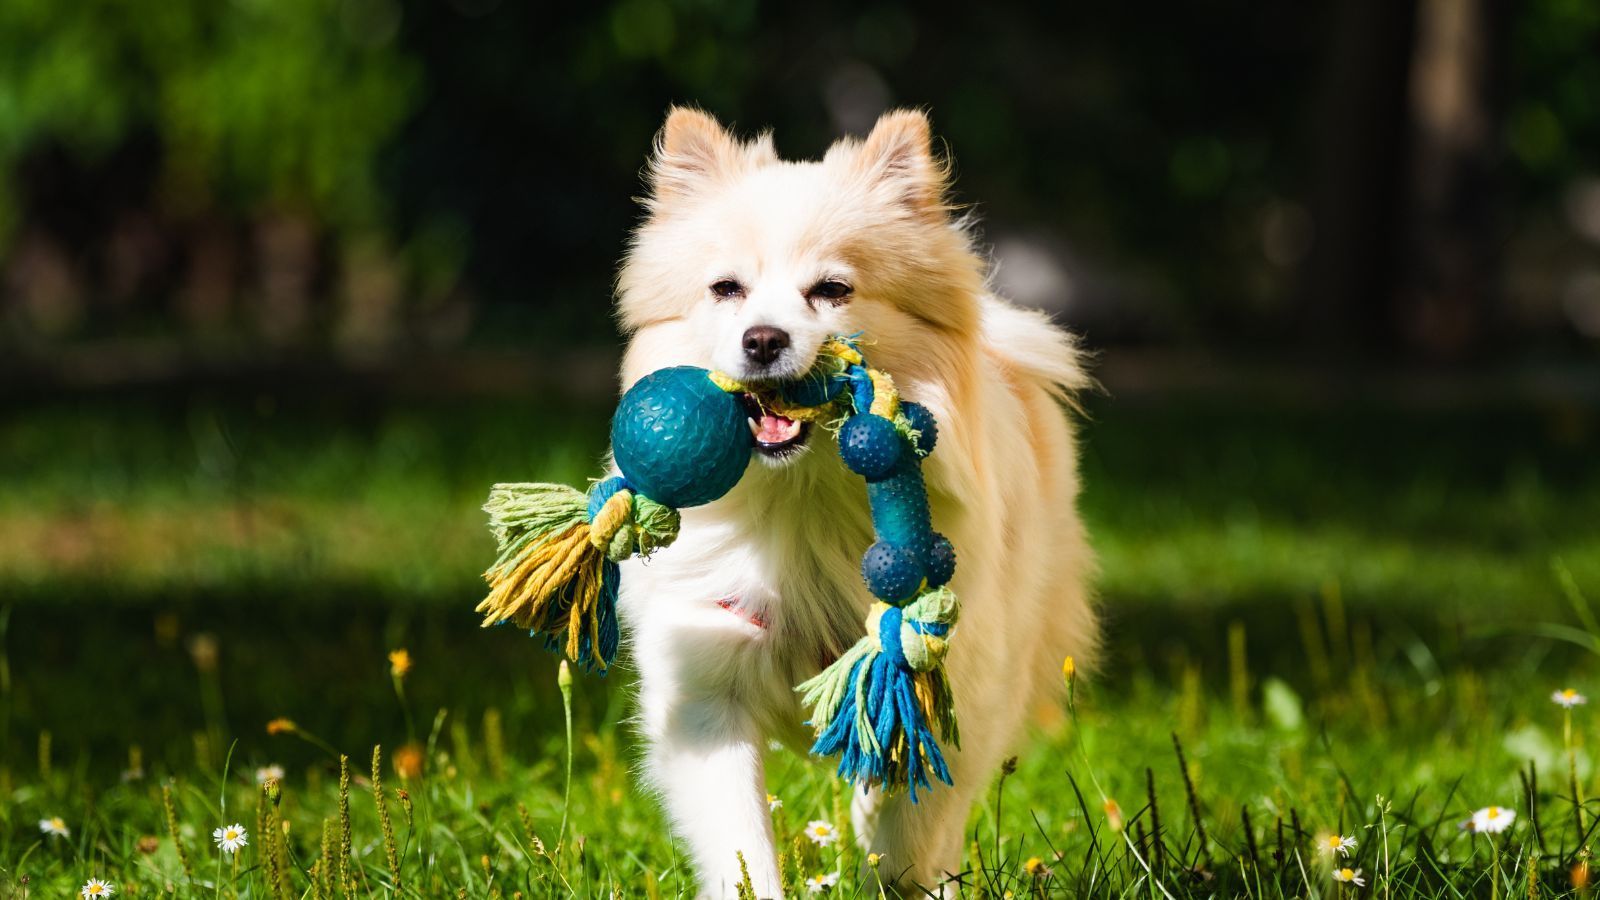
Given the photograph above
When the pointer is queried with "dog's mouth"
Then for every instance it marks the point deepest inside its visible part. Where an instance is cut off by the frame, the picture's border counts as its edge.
(776, 436)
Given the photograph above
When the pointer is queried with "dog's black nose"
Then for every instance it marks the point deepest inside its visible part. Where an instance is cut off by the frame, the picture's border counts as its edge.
(763, 344)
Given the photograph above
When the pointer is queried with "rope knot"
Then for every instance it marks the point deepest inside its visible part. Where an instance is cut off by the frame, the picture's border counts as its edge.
(891, 623)
(915, 637)
(623, 522)
(929, 620)
(611, 519)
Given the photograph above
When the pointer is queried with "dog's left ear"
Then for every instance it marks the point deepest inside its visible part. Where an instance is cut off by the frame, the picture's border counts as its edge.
(898, 157)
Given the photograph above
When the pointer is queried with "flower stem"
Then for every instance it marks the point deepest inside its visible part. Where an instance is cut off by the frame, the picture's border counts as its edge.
(1494, 889)
(1572, 769)
(564, 681)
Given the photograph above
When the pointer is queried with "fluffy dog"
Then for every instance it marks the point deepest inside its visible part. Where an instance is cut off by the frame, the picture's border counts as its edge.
(745, 263)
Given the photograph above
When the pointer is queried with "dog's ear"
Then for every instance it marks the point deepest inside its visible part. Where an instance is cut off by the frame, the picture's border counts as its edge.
(898, 157)
(693, 150)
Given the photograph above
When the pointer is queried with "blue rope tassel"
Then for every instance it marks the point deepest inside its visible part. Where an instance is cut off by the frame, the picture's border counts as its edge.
(605, 624)
(879, 706)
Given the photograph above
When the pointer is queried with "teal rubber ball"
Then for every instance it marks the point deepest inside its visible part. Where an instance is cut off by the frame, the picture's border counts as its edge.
(679, 439)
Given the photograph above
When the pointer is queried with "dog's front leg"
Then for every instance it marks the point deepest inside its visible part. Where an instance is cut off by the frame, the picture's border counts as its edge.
(705, 757)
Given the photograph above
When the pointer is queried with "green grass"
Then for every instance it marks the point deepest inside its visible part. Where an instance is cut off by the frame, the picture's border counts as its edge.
(1432, 749)
(1324, 607)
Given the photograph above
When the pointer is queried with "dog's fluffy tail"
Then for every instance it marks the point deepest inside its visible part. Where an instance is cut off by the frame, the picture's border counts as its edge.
(1036, 348)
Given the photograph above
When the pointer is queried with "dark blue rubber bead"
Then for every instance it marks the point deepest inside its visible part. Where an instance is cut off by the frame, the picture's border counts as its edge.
(941, 560)
(893, 573)
(922, 422)
(870, 446)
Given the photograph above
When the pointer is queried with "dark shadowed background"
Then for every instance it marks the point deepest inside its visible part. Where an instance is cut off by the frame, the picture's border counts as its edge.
(201, 187)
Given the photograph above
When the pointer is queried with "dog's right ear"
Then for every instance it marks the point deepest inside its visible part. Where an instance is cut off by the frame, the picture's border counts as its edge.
(694, 150)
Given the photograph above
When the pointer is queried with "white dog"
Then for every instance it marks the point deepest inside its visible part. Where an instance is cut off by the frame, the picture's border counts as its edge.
(745, 263)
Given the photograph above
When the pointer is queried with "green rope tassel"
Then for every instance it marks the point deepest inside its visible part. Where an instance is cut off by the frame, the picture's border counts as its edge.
(556, 574)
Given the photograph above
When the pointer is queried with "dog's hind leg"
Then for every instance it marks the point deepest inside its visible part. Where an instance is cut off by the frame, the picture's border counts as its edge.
(864, 808)
(920, 843)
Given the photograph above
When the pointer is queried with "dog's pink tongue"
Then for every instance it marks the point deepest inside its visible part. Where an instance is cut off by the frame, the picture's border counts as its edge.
(776, 429)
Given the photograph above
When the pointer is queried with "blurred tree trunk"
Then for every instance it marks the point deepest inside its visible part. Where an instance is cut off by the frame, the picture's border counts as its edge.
(1405, 256)
(1361, 154)
(1449, 258)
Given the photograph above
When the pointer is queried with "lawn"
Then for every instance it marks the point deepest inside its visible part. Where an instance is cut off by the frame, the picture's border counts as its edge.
(1350, 618)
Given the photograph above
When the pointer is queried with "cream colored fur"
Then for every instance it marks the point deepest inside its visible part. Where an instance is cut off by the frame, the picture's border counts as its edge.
(787, 541)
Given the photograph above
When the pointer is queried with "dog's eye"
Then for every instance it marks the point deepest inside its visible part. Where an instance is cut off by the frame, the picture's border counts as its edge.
(727, 289)
(830, 290)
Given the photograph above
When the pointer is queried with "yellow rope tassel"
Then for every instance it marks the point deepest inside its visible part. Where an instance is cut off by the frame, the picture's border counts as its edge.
(613, 516)
(922, 685)
(527, 593)
(585, 591)
(523, 594)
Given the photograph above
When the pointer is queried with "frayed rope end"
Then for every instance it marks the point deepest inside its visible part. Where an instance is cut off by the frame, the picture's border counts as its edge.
(879, 705)
(557, 574)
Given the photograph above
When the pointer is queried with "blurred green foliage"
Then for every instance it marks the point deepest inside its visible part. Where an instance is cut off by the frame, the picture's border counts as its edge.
(261, 103)
(1168, 161)
(1554, 91)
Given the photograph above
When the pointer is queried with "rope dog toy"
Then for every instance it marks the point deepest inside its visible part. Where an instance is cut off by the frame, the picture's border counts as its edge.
(679, 437)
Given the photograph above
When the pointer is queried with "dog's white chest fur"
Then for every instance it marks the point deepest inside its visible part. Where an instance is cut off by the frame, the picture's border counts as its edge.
(761, 589)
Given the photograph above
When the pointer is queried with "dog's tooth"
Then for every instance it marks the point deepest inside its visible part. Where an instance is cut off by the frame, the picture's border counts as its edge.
(754, 428)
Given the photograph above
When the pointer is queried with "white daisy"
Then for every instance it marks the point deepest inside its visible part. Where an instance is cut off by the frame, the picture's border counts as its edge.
(1491, 820)
(265, 774)
(1349, 876)
(821, 833)
(96, 888)
(816, 884)
(773, 803)
(1339, 844)
(230, 837)
(55, 827)
(1567, 698)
